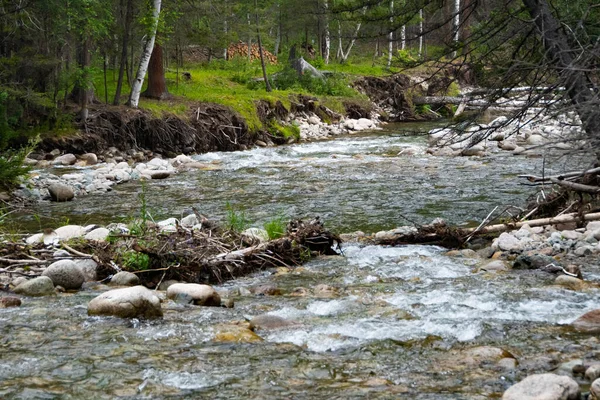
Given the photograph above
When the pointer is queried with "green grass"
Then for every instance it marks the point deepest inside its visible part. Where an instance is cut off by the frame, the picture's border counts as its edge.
(275, 227)
(230, 83)
(236, 218)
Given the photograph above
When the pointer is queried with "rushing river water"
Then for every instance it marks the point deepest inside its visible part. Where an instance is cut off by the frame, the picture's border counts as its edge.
(405, 322)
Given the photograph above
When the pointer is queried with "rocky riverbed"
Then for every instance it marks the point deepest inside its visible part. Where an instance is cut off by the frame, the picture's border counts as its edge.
(522, 311)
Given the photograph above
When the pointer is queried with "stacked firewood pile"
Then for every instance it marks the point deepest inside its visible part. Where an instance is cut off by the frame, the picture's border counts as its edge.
(240, 49)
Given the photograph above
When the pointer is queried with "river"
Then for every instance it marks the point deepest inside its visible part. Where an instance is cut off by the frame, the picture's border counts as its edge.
(406, 322)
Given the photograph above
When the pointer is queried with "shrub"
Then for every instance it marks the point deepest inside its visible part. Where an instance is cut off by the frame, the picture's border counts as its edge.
(275, 227)
(236, 219)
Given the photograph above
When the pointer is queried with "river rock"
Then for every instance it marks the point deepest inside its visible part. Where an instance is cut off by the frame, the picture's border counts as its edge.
(189, 221)
(200, 295)
(592, 372)
(9, 301)
(476, 150)
(584, 251)
(507, 242)
(89, 158)
(66, 159)
(544, 387)
(270, 322)
(65, 273)
(536, 261)
(569, 282)
(88, 267)
(60, 192)
(40, 286)
(131, 302)
(260, 143)
(266, 290)
(495, 266)
(124, 278)
(159, 174)
(588, 322)
(164, 285)
(33, 239)
(255, 235)
(484, 354)
(18, 280)
(70, 231)
(325, 291)
(595, 390)
(98, 234)
(535, 140)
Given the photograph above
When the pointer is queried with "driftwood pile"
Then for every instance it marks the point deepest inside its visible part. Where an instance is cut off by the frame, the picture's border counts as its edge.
(207, 255)
(240, 49)
(569, 198)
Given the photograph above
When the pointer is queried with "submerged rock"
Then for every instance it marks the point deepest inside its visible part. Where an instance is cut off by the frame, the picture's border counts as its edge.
(131, 302)
(60, 192)
(588, 322)
(537, 261)
(193, 293)
(544, 387)
(65, 273)
(236, 334)
(270, 322)
(40, 286)
(9, 301)
(569, 282)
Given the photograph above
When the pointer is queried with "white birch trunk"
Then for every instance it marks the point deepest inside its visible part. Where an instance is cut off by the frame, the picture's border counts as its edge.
(456, 25)
(420, 33)
(391, 35)
(403, 37)
(136, 88)
(346, 53)
(225, 30)
(327, 33)
(278, 37)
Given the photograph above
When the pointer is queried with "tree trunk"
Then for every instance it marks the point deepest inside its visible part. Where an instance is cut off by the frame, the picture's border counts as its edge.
(136, 88)
(157, 85)
(83, 91)
(391, 36)
(455, 26)
(421, 33)
(326, 53)
(260, 49)
(124, 45)
(577, 83)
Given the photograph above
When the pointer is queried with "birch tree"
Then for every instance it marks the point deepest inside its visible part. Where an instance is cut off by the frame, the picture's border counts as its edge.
(136, 88)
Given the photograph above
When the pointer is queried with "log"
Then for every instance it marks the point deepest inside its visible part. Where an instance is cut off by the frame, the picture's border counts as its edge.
(578, 187)
(562, 219)
(574, 174)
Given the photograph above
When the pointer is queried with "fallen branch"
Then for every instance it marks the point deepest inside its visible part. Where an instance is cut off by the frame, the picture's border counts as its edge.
(562, 219)
(573, 174)
(578, 187)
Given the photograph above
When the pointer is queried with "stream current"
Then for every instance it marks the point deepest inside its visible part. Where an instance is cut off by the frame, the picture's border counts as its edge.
(402, 323)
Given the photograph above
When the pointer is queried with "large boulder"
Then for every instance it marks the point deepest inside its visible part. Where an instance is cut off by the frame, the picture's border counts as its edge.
(507, 242)
(193, 293)
(98, 234)
(588, 322)
(544, 387)
(125, 278)
(89, 158)
(65, 273)
(89, 269)
(131, 302)
(66, 159)
(61, 192)
(40, 286)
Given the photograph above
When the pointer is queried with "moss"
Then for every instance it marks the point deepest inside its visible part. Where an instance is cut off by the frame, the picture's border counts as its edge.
(285, 131)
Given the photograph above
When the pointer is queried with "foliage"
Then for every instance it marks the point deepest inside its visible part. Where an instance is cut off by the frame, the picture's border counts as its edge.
(236, 218)
(275, 227)
(135, 261)
(285, 131)
(334, 84)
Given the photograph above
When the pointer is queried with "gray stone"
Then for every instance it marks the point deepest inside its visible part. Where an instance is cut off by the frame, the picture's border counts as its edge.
(260, 143)
(60, 192)
(592, 226)
(131, 302)
(535, 140)
(40, 286)
(66, 159)
(98, 234)
(65, 273)
(189, 221)
(33, 239)
(193, 293)
(313, 120)
(61, 254)
(584, 251)
(89, 269)
(255, 235)
(573, 235)
(507, 242)
(70, 231)
(89, 158)
(475, 150)
(544, 387)
(125, 278)
(18, 280)
(592, 372)
(164, 285)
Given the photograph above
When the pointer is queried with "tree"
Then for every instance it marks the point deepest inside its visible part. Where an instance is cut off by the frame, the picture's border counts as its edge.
(157, 84)
(136, 87)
